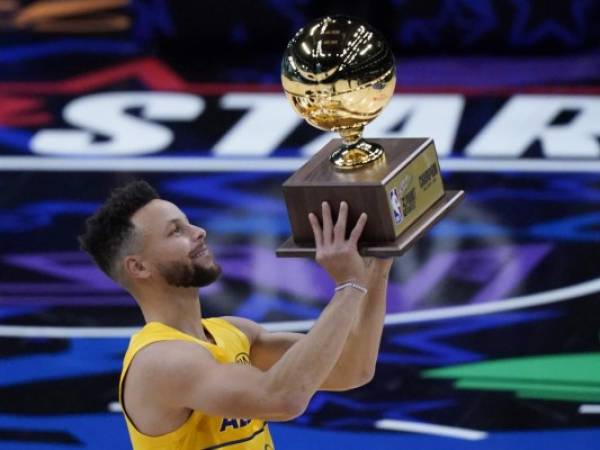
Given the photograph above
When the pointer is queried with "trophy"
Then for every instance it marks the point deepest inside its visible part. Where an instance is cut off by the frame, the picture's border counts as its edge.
(339, 73)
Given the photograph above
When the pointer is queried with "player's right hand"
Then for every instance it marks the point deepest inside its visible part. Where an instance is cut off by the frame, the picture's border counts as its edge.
(336, 254)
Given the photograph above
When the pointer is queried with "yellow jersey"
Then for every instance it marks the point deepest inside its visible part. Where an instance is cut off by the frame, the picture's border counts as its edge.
(200, 431)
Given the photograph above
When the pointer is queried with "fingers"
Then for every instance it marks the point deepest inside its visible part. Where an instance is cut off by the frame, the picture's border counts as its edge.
(328, 234)
(339, 231)
(327, 224)
(358, 229)
(316, 228)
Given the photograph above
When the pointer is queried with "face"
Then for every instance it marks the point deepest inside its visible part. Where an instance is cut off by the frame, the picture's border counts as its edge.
(174, 250)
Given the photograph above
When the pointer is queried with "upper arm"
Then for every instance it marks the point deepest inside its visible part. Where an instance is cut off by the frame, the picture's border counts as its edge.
(180, 374)
(265, 347)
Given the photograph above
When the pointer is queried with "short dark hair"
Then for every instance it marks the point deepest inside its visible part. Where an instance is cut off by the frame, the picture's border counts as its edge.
(109, 230)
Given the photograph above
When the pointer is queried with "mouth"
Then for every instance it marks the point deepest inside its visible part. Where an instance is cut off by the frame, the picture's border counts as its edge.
(200, 250)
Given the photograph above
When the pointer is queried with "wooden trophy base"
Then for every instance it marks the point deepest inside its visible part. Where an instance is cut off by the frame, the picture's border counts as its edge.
(434, 214)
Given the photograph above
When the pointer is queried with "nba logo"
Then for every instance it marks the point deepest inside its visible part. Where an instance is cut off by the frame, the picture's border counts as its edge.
(396, 206)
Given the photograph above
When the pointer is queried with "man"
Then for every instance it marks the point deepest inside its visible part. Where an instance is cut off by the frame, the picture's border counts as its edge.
(179, 388)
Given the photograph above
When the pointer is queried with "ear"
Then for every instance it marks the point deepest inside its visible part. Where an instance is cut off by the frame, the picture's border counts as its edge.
(135, 268)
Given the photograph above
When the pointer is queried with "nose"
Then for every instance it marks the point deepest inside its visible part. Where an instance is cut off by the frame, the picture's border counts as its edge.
(198, 233)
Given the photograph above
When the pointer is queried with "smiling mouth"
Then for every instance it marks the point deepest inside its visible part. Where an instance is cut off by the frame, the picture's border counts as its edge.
(200, 251)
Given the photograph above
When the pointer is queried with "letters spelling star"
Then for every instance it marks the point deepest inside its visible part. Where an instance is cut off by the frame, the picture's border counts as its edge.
(537, 21)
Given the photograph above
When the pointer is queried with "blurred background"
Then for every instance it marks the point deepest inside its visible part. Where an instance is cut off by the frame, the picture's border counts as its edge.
(492, 332)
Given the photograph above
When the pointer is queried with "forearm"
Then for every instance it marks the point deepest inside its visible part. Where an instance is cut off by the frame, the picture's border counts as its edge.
(357, 361)
(304, 367)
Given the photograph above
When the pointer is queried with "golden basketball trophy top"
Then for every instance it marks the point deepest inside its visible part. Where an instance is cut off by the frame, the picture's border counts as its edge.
(339, 73)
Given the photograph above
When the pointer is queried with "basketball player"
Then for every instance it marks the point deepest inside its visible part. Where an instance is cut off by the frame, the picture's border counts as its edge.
(191, 383)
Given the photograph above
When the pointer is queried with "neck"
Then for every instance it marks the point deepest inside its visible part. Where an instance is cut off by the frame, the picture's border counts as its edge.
(177, 308)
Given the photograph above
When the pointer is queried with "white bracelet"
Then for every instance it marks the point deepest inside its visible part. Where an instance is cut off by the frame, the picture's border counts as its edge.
(352, 285)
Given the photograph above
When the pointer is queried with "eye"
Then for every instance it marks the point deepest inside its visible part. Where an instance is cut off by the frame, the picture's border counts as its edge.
(175, 230)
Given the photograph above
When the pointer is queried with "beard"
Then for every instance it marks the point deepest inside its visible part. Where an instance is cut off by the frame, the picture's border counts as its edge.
(179, 274)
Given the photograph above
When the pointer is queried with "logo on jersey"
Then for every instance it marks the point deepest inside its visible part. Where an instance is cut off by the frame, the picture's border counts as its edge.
(242, 358)
(234, 423)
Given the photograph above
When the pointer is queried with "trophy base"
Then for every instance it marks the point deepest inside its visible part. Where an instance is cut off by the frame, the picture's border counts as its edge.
(290, 249)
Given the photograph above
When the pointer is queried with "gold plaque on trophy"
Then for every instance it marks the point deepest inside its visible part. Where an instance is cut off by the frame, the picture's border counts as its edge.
(339, 73)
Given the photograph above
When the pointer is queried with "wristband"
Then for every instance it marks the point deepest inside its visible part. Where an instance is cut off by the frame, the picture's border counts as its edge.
(351, 284)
